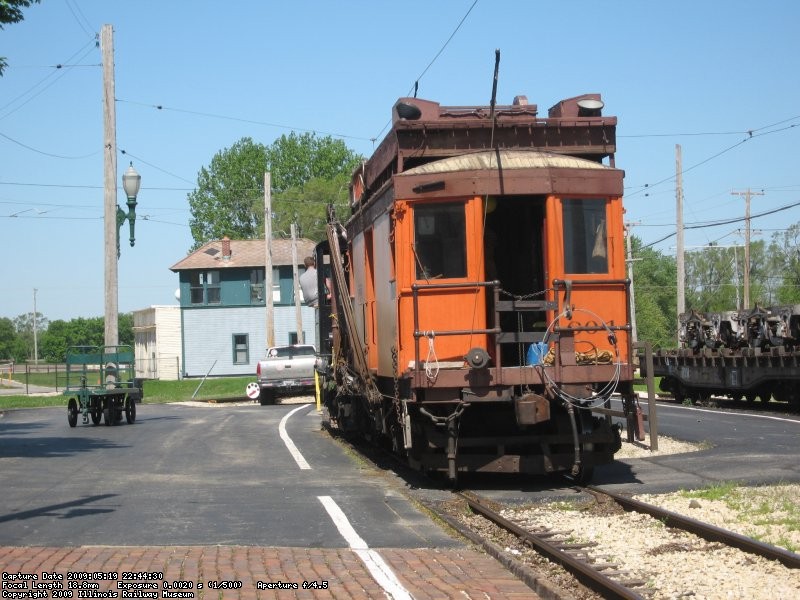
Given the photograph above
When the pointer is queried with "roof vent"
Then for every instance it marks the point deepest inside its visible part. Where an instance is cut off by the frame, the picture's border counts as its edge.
(589, 107)
(406, 110)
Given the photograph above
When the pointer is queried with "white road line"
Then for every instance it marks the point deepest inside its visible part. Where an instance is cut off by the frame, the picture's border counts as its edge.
(374, 562)
(728, 412)
(298, 458)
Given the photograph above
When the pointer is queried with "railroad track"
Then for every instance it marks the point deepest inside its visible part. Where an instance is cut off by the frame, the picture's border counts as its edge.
(600, 575)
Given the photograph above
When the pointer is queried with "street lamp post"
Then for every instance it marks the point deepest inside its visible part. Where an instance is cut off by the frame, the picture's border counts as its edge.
(130, 183)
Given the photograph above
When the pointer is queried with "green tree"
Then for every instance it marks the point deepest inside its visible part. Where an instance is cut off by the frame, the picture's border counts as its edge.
(11, 12)
(227, 194)
(654, 277)
(305, 205)
(24, 325)
(296, 159)
(8, 335)
(306, 172)
(60, 335)
(784, 251)
(715, 278)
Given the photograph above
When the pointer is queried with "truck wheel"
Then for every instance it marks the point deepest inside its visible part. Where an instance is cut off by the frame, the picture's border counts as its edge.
(267, 396)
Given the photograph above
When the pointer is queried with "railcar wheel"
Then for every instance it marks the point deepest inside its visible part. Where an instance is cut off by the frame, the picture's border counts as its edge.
(72, 412)
(130, 410)
(750, 397)
(679, 393)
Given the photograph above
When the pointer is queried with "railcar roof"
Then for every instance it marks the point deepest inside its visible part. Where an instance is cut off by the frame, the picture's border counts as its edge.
(507, 159)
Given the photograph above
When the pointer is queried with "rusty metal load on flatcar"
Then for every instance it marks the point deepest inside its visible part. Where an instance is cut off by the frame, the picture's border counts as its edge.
(480, 236)
(751, 353)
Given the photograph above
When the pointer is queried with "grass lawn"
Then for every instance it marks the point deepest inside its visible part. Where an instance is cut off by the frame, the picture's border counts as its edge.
(155, 392)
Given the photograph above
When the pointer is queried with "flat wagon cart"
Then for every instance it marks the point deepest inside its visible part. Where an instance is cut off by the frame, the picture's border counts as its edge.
(100, 384)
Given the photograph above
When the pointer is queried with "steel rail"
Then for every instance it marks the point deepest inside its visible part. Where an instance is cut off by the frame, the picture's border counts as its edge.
(584, 572)
(704, 530)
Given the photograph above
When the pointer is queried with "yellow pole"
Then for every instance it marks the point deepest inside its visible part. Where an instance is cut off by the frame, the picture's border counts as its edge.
(316, 390)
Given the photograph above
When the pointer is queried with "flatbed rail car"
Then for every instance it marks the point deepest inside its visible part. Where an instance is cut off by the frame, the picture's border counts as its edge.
(100, 384)
(751, 353)
(747, 373)
(479, 236)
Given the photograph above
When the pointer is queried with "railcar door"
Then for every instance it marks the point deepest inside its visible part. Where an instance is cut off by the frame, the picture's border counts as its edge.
(439, 259)
(588, 252)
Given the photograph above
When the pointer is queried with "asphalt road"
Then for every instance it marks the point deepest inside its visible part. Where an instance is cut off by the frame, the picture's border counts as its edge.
(193, 475)
(747, 446)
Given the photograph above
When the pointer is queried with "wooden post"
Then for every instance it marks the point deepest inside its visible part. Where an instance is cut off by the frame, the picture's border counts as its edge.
(109, 188)
(298, 313)
(679, 251)
(270, 318)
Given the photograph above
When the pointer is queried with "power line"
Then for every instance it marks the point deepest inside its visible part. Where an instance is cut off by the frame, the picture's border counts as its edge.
(80, 18)
(750, 135)
(155, 167)
(415, 85)
(30, 91)
(32, 149)
(241, 120)
(723, 222)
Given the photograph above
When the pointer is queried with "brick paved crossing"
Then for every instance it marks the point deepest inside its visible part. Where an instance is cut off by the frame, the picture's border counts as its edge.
(461, 573)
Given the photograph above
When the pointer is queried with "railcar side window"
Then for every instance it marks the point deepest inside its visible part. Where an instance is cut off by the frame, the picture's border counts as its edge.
(440, 241)
(585, 236)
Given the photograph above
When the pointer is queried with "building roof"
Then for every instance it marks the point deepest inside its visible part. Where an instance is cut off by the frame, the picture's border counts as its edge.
(243, 254)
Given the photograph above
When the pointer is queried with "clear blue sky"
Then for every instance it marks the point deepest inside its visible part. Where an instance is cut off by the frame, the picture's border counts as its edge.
(699, 74)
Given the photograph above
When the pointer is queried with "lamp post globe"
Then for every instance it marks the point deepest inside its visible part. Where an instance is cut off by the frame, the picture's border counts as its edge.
(130, 182)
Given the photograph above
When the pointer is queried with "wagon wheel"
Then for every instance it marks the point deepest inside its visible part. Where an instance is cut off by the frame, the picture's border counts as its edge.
(130, 409)
(109, 415)
(96, 412)
(72, 412)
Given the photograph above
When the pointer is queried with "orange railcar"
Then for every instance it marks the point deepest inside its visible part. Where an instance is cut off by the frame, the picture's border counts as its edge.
(479, 315)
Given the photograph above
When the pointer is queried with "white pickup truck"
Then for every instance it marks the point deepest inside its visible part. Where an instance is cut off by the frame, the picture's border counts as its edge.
(285, 368)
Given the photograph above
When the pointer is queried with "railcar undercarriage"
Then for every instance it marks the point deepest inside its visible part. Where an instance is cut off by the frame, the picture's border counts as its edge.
(514, 430)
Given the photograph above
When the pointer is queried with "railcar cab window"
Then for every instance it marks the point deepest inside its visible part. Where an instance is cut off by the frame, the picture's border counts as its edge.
(585, 237)
(440, 245)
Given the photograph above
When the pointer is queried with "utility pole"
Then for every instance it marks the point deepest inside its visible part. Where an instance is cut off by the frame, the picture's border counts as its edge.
(747, 194)
(298, 313)
(679, 224)
(269, 320)
(634, 334)
(110, 188)
(35, 332)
